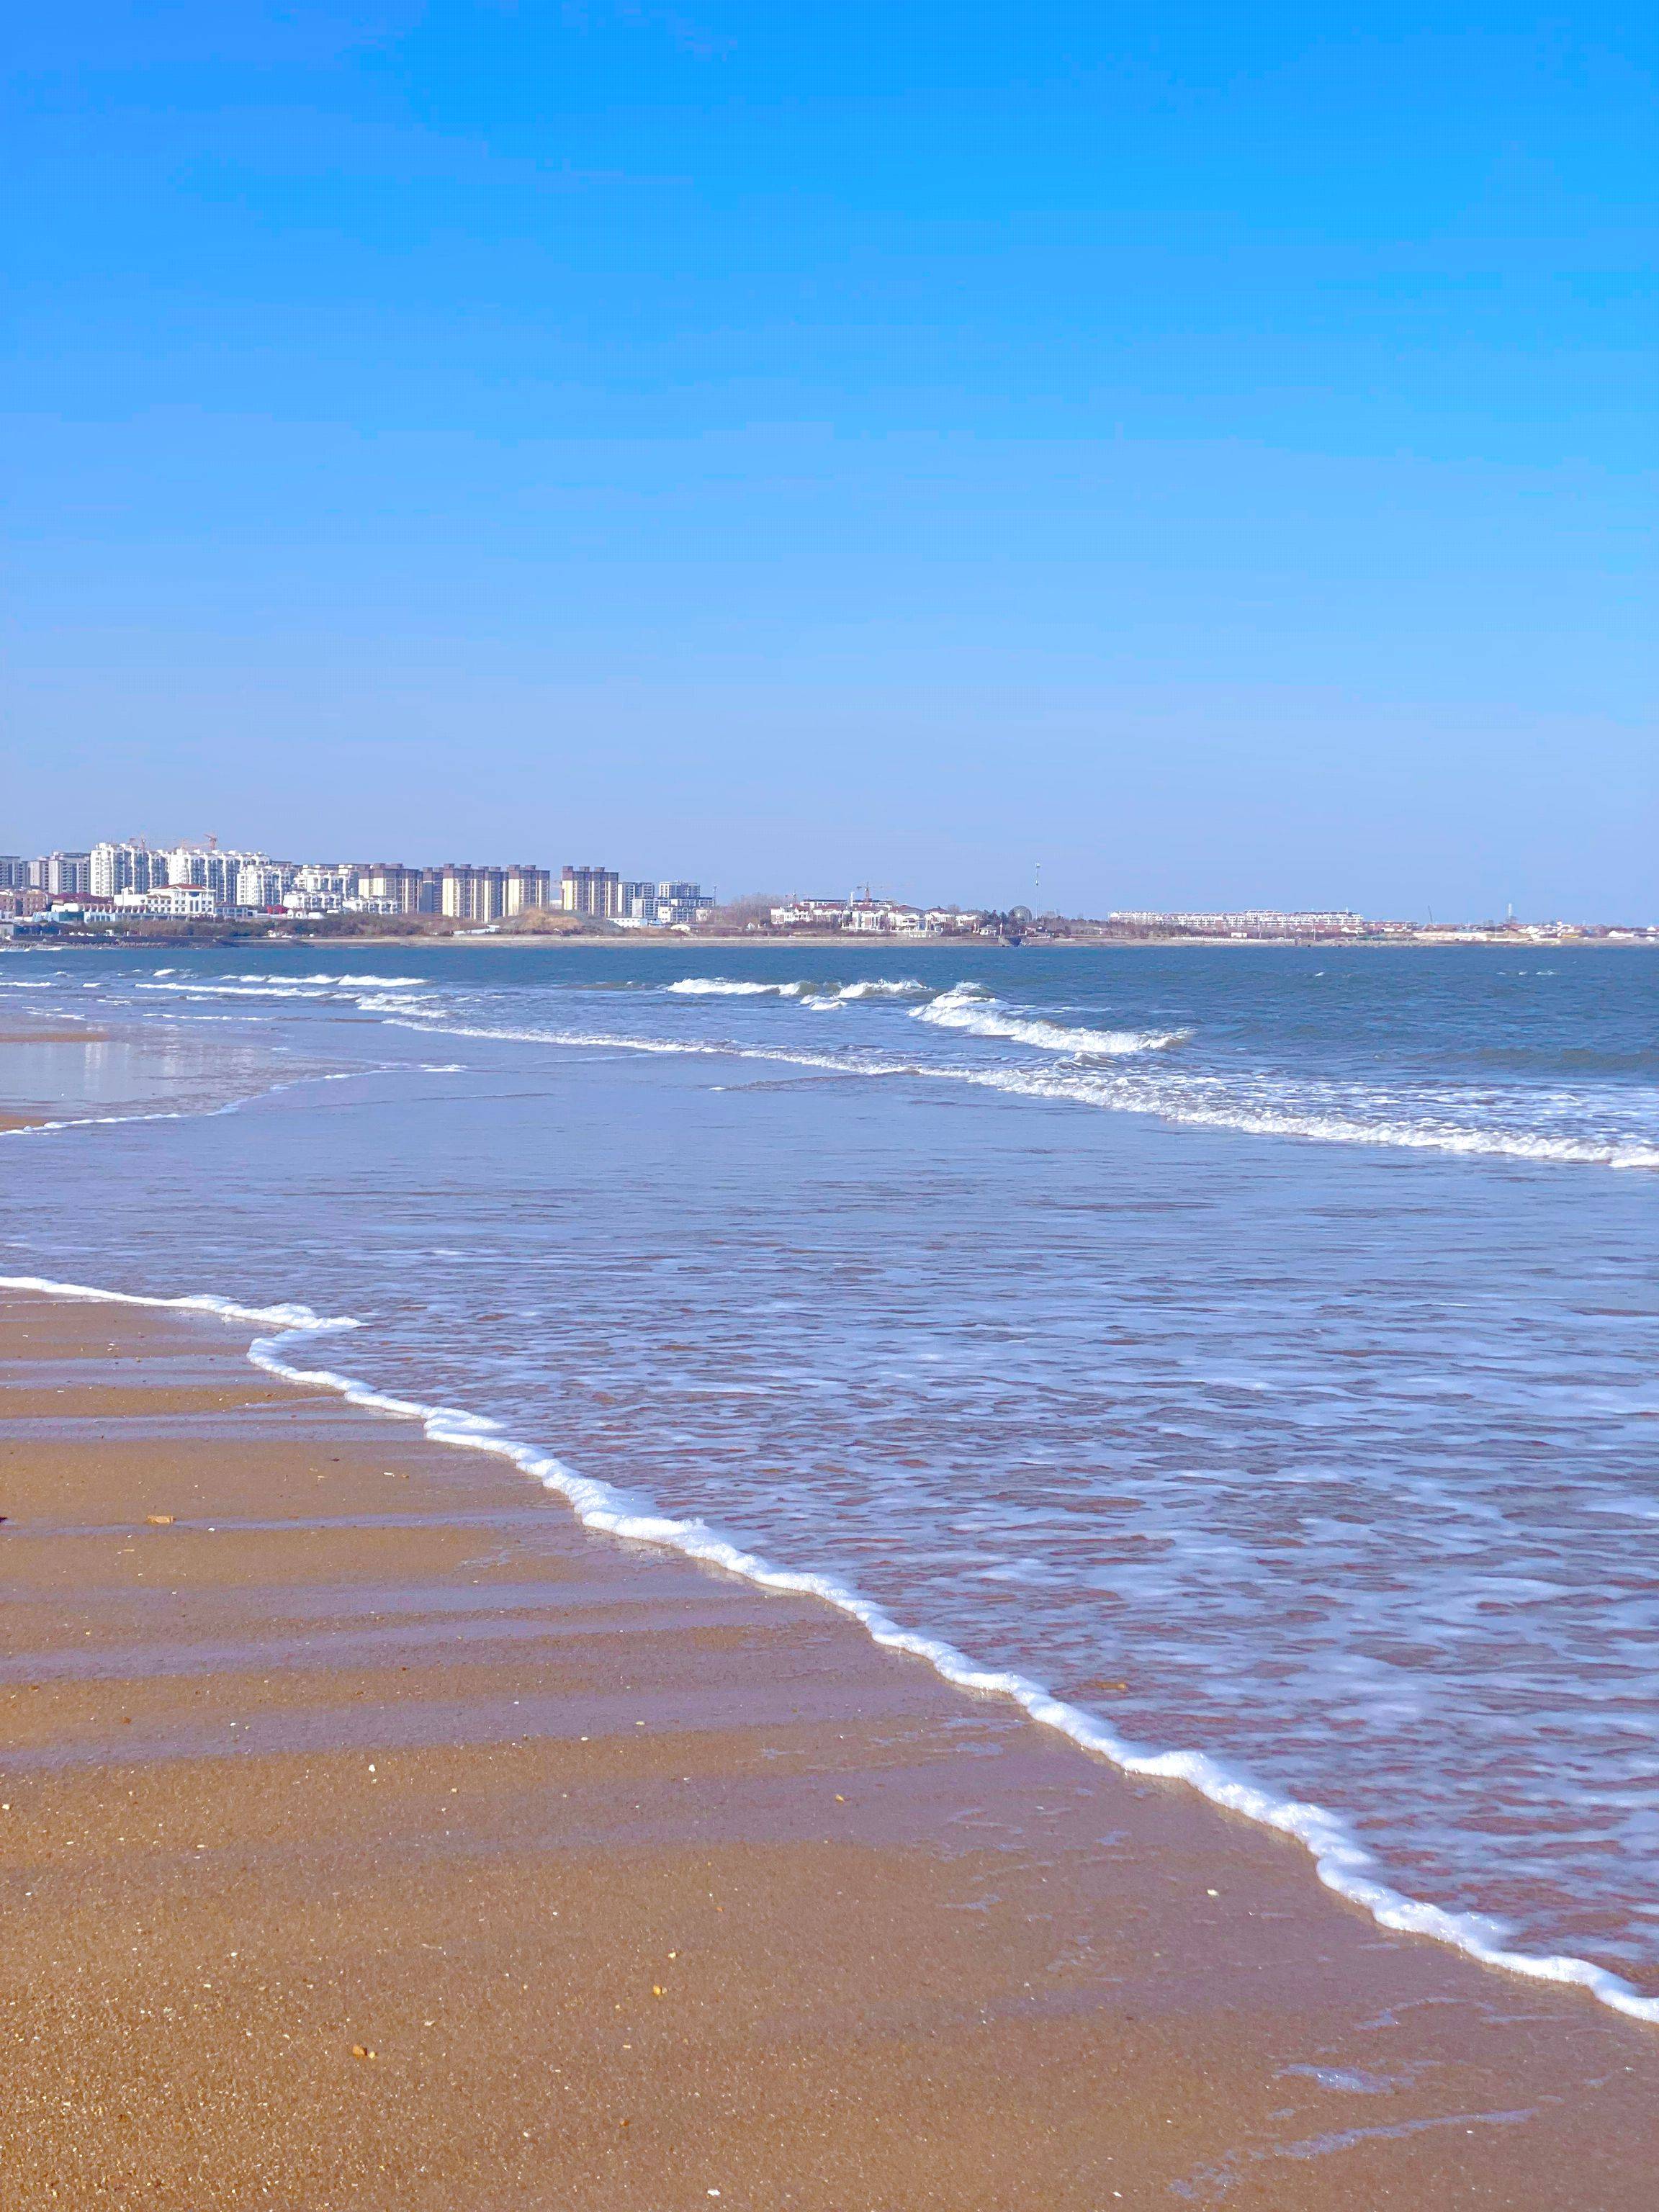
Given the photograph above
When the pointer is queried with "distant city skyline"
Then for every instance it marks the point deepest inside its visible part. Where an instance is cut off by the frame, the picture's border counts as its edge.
(198, 880)
(1207, 454)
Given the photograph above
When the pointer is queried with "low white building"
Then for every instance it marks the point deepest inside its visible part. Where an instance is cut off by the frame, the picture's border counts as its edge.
(169, 902)
(884, 918)
(1251, 921)
(809, 913)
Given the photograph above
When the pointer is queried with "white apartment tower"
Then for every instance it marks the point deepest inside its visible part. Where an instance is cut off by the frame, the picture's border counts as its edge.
(66, 875)
(129, 865)
(206, 867)
(261, 889)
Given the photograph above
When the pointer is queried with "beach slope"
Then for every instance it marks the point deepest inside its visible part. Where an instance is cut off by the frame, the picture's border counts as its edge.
(373, 1836)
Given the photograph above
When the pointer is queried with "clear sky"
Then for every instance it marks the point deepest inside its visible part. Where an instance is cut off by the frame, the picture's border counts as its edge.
(1205, 450)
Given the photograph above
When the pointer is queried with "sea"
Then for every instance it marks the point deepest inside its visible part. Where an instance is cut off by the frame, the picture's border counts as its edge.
(1246, 1358)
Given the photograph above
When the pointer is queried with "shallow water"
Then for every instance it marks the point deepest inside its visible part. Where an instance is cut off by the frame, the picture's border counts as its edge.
(1256, 1347)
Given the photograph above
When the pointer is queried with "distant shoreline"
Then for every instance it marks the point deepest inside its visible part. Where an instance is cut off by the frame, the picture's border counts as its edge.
(840, 943)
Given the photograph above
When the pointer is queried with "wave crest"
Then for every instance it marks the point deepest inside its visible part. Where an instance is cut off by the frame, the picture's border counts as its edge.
(723, 987)
(968, 1008)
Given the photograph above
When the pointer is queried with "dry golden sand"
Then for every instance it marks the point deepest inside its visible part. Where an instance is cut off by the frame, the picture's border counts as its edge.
(373, 1837)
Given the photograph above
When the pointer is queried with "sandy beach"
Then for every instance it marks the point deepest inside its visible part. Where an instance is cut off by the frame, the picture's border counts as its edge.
(373, 1836)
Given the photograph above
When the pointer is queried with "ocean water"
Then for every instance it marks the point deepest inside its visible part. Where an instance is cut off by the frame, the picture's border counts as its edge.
(1246, 1356)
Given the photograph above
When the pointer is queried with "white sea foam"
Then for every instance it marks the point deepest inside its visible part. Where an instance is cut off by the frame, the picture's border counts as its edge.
(278, 986)
(973, 1011)
(211, 990)
(1202, 1103)
(1193, 1100)
(721, 987)
(695, 1048)
(106, 1120)
(815, 994)
(380, 982)
(883, 986)
(832, 998)
(205, 1113)
(290, 1314)
(1342, 1862)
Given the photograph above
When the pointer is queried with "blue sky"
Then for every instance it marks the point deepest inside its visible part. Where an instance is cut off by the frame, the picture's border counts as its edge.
(1206, 452)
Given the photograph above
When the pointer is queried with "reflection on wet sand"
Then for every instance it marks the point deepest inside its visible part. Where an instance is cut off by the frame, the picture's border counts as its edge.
(372, 1835)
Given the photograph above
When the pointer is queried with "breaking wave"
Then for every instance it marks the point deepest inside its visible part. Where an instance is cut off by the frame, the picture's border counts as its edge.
(721, 987)
(882, 987)
(971, 1009)
(269, 987)
(803, 993)
(1335, 1114)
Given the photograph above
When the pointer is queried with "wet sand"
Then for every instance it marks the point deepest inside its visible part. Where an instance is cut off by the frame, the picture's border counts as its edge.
(43, 1035)
(372, 1836)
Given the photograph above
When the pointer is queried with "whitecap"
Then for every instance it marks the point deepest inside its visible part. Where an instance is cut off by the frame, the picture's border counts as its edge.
(969, 1009)
(722, 987)
(1194, 1101)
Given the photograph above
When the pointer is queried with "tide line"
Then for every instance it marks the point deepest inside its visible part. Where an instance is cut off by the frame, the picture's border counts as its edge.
(1342, 1862)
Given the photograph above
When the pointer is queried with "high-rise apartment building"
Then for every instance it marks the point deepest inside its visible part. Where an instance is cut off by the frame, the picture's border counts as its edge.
(129, 865)
(526, 887)
(403, 887)
(129, 869)
(681, 902)
(594, 892)
(263, 887)
(468, 894)
(186, 865)
(209, 868)
(63, 875)
(320, 887)
(662, 905)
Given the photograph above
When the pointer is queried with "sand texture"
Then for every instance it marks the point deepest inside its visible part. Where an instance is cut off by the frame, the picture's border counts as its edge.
(373, 1837)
